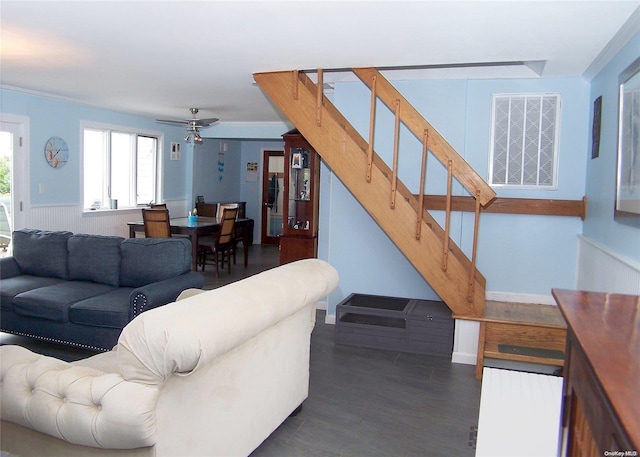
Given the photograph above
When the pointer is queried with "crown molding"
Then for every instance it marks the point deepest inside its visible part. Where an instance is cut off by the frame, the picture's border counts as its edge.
(619, 40)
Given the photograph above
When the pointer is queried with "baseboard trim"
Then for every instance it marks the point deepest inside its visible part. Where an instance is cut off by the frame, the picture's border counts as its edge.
(464, 358)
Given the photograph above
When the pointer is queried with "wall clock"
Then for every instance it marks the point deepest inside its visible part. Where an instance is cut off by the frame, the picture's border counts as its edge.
(56, 152)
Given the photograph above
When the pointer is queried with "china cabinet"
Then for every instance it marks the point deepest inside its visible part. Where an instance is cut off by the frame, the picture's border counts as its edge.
(299, 238)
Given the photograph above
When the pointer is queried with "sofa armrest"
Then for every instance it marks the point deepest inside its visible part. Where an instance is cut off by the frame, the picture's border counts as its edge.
(77, 404)
(162, 292)
(9, 268)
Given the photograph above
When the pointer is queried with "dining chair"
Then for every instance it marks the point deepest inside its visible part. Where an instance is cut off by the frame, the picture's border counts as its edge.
(207, 209)
(237, 235)
(221, 244)
(156, 223)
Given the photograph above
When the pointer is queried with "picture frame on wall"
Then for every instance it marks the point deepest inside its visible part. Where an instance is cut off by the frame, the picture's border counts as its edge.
(627, 204)
(595, 129)
(296, 160)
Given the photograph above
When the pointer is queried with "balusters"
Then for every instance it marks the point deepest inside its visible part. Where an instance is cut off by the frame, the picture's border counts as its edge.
(396, 143)
(296, 80)
(372, 126)
(476, 226)
(423, 174)
(447, 222)
(319, 97)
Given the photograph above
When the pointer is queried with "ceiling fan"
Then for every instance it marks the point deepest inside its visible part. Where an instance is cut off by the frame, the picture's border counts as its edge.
(193, 125)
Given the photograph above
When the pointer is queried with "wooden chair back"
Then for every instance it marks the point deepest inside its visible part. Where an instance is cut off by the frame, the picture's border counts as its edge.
(207, 209)
(224, 206)
(227, 226)
(156, 223)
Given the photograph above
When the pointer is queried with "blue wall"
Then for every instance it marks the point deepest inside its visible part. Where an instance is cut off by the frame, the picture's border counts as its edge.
(600, 225)
(208, 180)
(50, 117)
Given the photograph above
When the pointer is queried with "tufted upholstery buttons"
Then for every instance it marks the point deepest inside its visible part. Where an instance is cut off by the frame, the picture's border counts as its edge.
(78, 404)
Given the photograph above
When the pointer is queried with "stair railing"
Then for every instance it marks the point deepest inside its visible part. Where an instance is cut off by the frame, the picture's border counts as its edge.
(456, 166)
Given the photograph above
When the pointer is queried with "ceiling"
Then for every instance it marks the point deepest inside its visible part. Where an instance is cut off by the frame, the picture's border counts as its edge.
(159, 58)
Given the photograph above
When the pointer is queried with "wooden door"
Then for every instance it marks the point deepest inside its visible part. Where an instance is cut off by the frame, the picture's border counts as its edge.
(272, 196)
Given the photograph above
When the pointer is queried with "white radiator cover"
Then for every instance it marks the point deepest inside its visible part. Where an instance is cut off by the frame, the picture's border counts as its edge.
(519, 414)
(109, 222)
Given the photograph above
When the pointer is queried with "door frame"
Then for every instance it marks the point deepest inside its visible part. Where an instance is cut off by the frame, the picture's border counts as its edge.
(18, 125)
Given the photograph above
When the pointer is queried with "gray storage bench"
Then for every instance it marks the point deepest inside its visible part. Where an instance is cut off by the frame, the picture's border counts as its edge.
(397, 324)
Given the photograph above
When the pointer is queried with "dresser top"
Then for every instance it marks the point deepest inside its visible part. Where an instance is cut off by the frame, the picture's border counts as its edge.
(607, 328)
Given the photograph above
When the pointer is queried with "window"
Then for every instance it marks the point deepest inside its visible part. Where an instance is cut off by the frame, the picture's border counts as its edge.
(524, 141)
(119, 165)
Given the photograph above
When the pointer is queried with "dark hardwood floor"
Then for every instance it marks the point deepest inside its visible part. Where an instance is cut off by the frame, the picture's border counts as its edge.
(362, 402)
(368, 402)
(261, 257)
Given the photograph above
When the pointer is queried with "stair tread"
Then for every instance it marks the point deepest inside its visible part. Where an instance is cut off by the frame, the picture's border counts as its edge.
(526, 313)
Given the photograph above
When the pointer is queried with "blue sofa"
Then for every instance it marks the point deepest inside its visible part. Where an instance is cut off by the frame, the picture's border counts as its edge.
(82, 290)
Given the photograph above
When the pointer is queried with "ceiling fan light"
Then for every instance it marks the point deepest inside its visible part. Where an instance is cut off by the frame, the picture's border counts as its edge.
(188, 137)
(197, 138)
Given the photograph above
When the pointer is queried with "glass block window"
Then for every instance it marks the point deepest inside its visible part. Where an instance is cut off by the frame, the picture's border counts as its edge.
(524, 140)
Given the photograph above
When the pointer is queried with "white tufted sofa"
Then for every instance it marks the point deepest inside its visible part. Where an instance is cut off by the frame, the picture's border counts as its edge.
(214, 373)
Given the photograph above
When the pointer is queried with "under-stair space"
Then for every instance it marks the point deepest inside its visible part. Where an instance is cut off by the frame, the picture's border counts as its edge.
(508, 331)
(375, 184)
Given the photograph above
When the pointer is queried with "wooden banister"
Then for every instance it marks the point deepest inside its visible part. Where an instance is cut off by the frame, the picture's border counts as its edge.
(350, 157)
(532, 206)
(440, 148)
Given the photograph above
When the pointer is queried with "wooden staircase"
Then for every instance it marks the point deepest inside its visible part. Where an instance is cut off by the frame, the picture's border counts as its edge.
(396, 209)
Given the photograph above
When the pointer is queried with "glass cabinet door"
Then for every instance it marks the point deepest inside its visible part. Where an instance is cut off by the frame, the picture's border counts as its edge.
(300, 213)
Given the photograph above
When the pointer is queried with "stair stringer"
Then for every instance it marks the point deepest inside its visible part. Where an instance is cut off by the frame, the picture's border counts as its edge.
(340, 146)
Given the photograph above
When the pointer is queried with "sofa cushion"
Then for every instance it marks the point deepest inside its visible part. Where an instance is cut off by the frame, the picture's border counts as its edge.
(148, 260)
(11, 287)
(41, 253)
(106, 310)
(95, 258)
(53, 302)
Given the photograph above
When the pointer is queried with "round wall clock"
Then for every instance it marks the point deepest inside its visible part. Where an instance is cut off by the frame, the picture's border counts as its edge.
(56, 152)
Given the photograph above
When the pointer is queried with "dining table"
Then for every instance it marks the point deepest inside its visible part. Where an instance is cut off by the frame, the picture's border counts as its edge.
(194, 229)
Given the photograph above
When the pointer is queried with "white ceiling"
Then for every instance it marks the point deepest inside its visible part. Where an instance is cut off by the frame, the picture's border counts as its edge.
(158, 58)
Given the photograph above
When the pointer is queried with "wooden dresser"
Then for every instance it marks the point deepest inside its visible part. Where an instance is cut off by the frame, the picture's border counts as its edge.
(601, 413)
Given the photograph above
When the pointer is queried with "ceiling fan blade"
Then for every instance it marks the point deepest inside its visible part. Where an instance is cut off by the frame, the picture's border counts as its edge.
(172, 122)
(206, 122)
(192, 123)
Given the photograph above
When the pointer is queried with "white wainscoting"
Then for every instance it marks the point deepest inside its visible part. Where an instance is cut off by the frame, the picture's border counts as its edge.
(602, 270)
(100, 222)
(598, 269)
